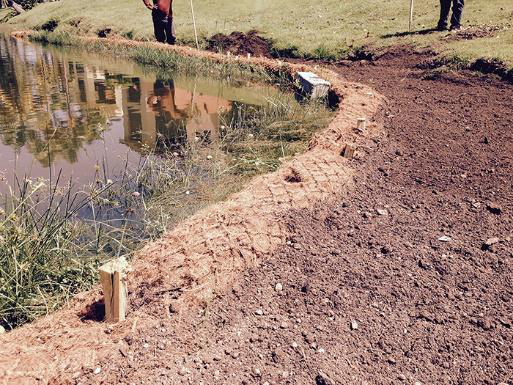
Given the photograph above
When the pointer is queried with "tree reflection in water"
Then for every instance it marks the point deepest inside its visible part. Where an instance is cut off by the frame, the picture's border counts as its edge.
(69, 111)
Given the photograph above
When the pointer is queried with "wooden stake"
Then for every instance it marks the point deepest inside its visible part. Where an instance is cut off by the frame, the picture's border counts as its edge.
(194, 22)
(361, 124)
(112, 277)
(348, 151)
(410, 25)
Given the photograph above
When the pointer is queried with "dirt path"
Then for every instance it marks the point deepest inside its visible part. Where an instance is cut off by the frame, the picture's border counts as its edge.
(370, 291)
(365, 290)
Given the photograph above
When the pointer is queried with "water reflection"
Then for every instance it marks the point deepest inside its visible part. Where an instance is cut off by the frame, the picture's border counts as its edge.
(61, 110)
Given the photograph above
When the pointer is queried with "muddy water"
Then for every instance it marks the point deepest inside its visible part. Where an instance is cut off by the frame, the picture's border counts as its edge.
(70, 112)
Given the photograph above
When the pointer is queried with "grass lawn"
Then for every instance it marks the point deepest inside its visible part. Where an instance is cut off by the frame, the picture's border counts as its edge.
(324, 28)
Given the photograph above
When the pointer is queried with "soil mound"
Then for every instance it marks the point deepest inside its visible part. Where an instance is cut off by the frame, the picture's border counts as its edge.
(472, 33)
(239, 43)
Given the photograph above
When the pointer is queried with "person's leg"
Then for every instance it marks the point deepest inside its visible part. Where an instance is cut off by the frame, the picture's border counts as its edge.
(158, 26)
(170, 30)
(445, 7)
(457, 11)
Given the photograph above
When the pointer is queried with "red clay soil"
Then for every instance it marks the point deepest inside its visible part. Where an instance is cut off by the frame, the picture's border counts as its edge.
(404, 278)
(394, 283)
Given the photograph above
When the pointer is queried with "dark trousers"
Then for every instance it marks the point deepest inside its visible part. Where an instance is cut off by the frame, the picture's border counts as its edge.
(457, 10)
(163, 27)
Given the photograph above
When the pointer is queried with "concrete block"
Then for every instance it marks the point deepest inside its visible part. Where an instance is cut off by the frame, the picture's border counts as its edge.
(313, 85)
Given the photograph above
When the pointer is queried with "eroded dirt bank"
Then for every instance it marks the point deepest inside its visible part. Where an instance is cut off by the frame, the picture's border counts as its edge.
(373, 297)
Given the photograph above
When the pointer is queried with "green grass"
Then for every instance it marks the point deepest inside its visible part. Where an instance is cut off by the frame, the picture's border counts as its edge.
(5, 14)
(322, 29)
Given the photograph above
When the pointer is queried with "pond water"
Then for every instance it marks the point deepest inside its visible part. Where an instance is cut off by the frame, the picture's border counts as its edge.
(71, 112)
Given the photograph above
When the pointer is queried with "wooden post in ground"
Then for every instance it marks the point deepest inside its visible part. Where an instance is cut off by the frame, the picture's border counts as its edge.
(410, 25)
(348, 151)
(194, 23)
(361, 124)
(112, 277)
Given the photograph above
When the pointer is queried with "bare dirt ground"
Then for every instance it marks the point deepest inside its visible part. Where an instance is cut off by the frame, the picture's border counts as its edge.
(238, 43)
(404, 278)
(399, 281)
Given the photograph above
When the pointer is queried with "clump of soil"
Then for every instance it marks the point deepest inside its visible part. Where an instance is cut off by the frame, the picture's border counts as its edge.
(493, 66)
(239, 43)
(474, 33)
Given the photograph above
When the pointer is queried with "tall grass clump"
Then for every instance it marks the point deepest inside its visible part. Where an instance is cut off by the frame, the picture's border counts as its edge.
(40, 265)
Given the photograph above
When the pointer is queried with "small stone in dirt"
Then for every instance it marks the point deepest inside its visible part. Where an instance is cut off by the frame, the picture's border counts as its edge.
(294, 345)
(385, 250)
(382, 211)
(183, 371)
(445, 238)
(97, 370)
(323, 379)
(129, 340)
(417, 383)
(146, 345)
(392, 361)
(489, 243)
(2, 329)
(484, 324)
(354, 325)
(494, 208)
(402, 377)
(284, 325)
(278, 287)
(259, 312)
(124, 351)
(424, 265)
(256, 371)
(309, 338)
(321, 350)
